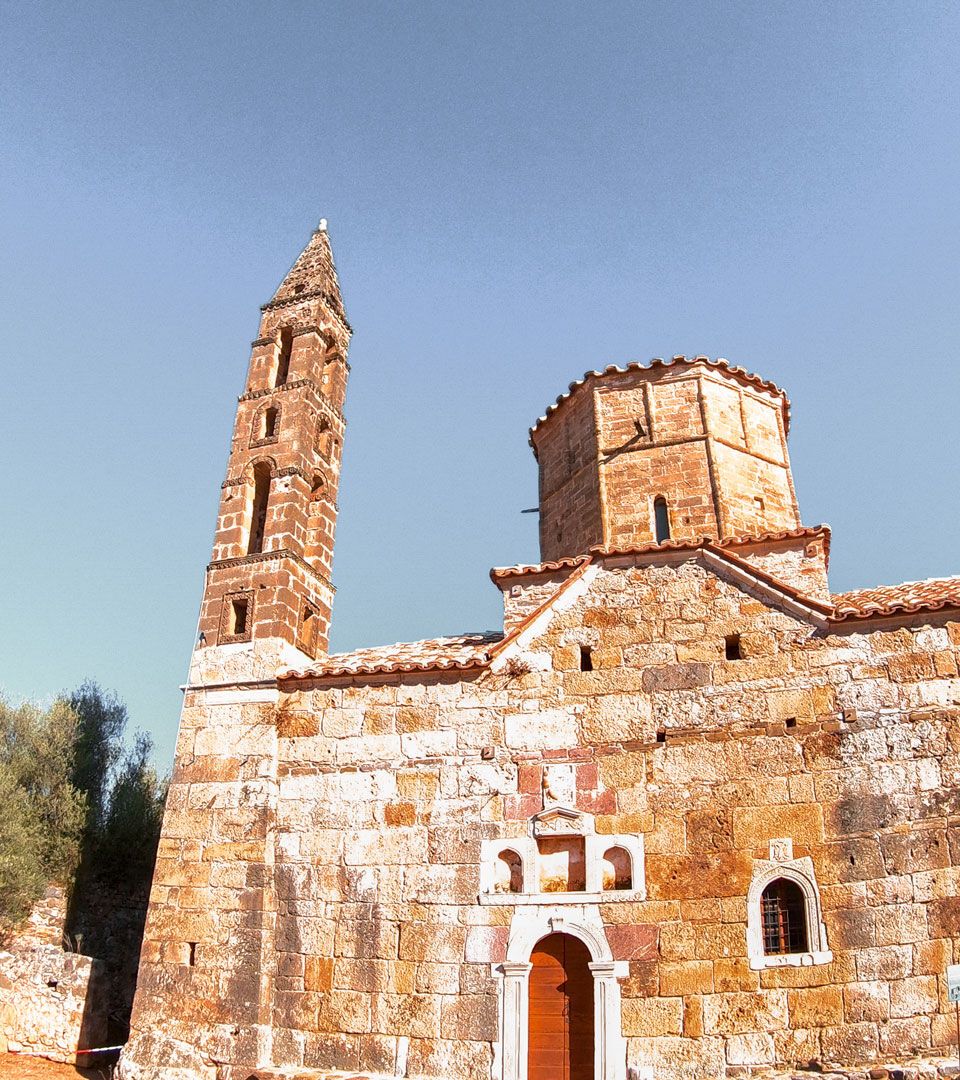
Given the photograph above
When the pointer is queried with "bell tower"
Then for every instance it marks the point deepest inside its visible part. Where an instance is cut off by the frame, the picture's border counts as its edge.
(269, 578)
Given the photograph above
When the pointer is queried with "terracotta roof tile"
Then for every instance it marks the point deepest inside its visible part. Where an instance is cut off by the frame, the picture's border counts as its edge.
(500, 572)
(928, 595)
(461, 651)
(741, 374)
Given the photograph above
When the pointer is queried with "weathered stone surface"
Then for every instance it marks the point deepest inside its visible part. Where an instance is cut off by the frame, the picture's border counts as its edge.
(353, 865)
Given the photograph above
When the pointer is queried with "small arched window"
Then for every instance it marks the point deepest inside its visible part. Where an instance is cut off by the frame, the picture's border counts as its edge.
(324, 440)
(783, 917)
(661, 519)
(509, 873)
(270, 418)
(283, 356)
(258, 516)
(617, 869)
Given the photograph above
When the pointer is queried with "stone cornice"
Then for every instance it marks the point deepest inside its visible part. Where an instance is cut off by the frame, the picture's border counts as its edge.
(272, 556)
(297, 384)
(318, 294)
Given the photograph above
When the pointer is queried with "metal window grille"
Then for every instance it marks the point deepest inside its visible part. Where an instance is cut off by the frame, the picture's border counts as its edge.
(783, 918)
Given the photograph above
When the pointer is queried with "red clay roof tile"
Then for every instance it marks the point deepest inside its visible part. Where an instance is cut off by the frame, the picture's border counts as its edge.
(739, 373)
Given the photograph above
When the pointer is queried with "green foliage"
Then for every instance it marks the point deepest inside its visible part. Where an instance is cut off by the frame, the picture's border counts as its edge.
(76, 801)
(98, 747)
(43, 815)
(126, 844)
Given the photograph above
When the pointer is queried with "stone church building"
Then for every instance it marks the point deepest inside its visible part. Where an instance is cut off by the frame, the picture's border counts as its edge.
(689, 814)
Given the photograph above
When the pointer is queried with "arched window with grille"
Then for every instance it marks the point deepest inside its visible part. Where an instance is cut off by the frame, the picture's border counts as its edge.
(783, 917)
(785, 925)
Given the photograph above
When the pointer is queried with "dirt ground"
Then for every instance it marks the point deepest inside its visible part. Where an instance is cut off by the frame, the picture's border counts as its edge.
(21, 1067)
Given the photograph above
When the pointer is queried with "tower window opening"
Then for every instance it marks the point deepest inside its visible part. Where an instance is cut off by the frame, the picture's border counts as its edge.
(283, 359)
(192, 957)
(258, 518)
(270, 418)
(731, 647)
(758, 504)
(239, 611)
(586, 658)
(783, 918)
(309, 628)
(661, 519)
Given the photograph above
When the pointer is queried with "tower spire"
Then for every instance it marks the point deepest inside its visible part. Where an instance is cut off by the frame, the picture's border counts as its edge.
(269, 580)
(312, 277)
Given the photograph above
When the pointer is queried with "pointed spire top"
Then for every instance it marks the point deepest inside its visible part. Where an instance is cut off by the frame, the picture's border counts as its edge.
(313, 276)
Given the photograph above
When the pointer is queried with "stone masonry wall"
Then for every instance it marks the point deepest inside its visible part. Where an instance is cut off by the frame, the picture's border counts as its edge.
(712, 446)
(316, 897)
(52, 1003)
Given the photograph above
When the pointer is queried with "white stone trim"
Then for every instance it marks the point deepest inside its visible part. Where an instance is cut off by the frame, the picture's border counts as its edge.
(801, 873)
(595, 847)
(513, 977)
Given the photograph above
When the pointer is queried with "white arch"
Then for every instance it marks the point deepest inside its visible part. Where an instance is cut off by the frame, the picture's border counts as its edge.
(527, 929)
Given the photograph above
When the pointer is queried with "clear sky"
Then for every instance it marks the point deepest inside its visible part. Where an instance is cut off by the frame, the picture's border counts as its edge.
(516, 193)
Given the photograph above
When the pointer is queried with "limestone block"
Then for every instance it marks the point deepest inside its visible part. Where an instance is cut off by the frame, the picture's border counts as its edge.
(816, 1007)
(414, 1015)
(885, 962)
(689, 977)
(438, 979)
(548, 730)
(797, 1047)
(736, 1014)
(472, 1018)
(652, 1016)
(346, 1011)
(851, 1044)
(449, 1057)
(901, 925)
(866, 1001)
(754, 825)
(435, 942)
(913, 997)
(904, 1038)
(754, 1048)
(685, 1059)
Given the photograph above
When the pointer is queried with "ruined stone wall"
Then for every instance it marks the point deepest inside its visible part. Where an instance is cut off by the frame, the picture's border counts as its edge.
(325, 852)
(52, 1002)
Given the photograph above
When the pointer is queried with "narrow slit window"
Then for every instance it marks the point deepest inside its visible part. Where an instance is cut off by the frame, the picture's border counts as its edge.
(586, 658)
(283, 358)
(192, 957)
(731, 647)
(661, 519)
(270, 418)
(239, 612)
(258, 520)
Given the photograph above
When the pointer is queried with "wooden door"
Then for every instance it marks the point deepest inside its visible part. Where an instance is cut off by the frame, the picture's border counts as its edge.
(561, 1011)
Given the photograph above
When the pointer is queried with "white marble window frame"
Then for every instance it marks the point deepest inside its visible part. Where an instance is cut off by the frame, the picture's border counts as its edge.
(801, 873)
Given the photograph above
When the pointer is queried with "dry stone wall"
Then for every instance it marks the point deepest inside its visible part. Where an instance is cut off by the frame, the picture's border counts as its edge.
(53, 1002)
(316, 897)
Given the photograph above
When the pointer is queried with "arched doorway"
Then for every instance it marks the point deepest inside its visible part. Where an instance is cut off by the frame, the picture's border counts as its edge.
(561, 1028)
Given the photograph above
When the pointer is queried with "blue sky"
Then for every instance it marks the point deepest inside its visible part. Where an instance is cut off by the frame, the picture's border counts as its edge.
(516, 194)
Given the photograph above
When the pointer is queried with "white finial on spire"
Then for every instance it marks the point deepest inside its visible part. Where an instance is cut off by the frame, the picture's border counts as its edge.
(322, 227)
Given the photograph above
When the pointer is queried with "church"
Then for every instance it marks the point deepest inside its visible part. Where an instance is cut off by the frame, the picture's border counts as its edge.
(689, 815)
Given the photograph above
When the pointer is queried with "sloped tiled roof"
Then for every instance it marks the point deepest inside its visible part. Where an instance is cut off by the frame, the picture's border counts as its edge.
(473, 651)
(804, 532)
(739, 373)
(932, 594)
(458, 652)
